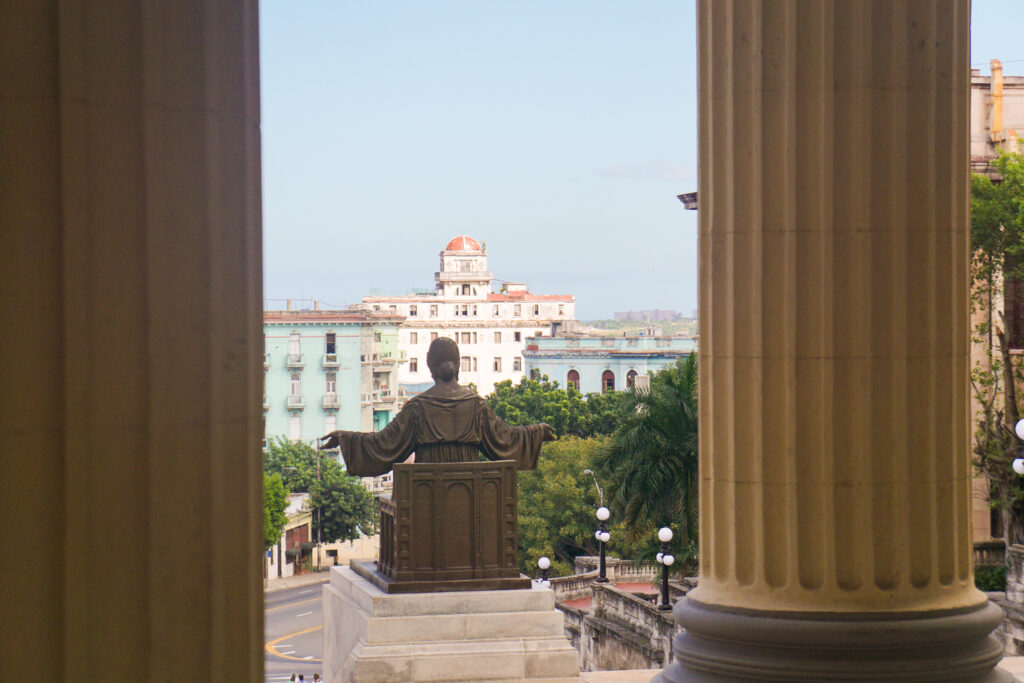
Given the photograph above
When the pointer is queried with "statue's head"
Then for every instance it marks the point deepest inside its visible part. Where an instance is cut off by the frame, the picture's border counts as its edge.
(443, 360)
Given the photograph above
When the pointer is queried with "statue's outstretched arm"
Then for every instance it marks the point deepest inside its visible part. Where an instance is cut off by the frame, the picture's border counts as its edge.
(371, 454)
(503, 442)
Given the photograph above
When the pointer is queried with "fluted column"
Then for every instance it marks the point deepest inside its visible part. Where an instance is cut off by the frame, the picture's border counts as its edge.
(131, 257)
(835, 481)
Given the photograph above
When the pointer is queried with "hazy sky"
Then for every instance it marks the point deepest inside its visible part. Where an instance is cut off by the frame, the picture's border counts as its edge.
(558, 132)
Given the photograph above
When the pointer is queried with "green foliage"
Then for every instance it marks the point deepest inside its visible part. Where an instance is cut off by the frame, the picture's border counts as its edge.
(557, 502)
(997, 258)
(275, 500)
(346, 509)
(566, 410)
(990, 577)
(650, 462)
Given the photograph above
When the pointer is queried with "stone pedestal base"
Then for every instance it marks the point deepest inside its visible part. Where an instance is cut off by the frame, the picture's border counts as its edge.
(504, 635)
(728, 645)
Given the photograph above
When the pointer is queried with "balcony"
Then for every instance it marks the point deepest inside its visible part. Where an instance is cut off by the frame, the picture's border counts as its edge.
(383, 396)
(366, 399)
(330, 360)
(266, 361)
(295, 360)
(330, 402)
(295, 402)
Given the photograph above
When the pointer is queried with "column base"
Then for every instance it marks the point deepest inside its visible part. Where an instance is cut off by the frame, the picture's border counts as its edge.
(722, 644)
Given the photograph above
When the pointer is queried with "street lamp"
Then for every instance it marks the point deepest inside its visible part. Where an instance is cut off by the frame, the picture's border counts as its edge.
(601, 534)
(602, 537)
(1018, 464)
(666, 561)
(544, 564)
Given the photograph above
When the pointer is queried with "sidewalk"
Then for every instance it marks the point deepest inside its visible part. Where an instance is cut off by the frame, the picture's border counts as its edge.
(309, 579)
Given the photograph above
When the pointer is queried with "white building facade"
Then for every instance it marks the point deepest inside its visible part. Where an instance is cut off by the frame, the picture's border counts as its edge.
(490, 327)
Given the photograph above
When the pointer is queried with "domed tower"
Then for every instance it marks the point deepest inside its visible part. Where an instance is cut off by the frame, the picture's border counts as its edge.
(463, 269)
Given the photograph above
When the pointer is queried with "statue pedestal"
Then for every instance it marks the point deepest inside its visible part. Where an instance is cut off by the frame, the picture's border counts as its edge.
(449, 527)
(480, 635)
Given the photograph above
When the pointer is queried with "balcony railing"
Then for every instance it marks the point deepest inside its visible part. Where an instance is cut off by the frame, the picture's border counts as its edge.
(330, 360)
(330, 401)
(295, 360)
(295, 402)
(366, 399)
(383, 396)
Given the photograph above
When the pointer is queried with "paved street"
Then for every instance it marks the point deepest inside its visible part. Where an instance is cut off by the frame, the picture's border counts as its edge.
(293, 632)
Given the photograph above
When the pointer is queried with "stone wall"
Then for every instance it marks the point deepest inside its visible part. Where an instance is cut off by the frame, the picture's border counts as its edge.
(621, 630)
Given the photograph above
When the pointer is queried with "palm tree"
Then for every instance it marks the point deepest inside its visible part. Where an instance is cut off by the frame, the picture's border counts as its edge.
(651, 462)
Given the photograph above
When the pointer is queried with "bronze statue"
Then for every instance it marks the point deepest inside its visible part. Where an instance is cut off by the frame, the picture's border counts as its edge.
(445, 424)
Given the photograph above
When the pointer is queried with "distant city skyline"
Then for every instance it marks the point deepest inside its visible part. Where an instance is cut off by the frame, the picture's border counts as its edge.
(557, 133)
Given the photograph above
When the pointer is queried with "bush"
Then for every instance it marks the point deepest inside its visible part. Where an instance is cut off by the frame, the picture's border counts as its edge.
(990, 577)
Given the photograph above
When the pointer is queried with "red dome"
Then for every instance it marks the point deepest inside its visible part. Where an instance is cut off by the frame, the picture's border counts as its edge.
(463, 243)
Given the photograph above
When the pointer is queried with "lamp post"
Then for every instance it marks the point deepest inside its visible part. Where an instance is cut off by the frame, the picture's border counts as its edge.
(602, 537)
(544, 564)
(601, 534)
(1018, 463)
(666, 561)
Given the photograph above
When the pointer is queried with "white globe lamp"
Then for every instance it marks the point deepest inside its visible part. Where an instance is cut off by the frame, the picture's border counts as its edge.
(603, 514)
(544, 563)
(664, 534)
(1018, 465)
(1020, 429)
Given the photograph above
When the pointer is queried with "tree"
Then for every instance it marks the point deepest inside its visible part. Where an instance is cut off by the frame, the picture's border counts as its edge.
(650, 462)
(275, 500)
(346, 509)
(566, 410)
(997, 273)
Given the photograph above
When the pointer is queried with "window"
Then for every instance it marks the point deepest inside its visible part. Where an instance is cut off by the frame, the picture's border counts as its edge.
(497, 311)
(393, 308)
(607, 381)
(518, 336)
(497, 364)
(330, 343)
(414, 338)
(433, 336)
(376, 336)
(474, 363)
(535, 374)
(573, 380)
(296, 384)
(412, 310)
(474, 310)
(331, 382)
(497, 337)
(465, 338)
(465, 290)
(465, 266)
(536, 309)
(517, 310)
(293, 344)
(466, 363)
(517, 364)
(295, 427)
(561, 309)
(414, 365)
(630, 378)
(433, 310)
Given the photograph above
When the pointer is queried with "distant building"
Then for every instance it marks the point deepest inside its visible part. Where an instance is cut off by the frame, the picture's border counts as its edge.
(654, 314)
(286, 557)
(490, 327)
(327, 370)
(997, 115)
(595, 364)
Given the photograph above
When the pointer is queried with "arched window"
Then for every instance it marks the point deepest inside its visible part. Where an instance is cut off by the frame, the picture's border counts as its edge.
(607, 381)
(630, 378)
(573, 380)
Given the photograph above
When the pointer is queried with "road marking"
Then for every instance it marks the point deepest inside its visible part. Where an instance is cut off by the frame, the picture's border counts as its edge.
(291, 604)
(271, 647)
(304, 614)
(308, 657)
(290, 652)
(306, 591)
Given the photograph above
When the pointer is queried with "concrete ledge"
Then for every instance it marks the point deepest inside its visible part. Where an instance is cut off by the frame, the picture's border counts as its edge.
(499, 635)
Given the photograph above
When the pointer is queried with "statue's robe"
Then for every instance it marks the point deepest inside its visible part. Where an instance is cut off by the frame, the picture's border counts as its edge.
(446, 423)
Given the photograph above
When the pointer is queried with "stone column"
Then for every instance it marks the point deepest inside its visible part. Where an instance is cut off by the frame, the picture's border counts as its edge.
(130, 257)
(835, 482)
